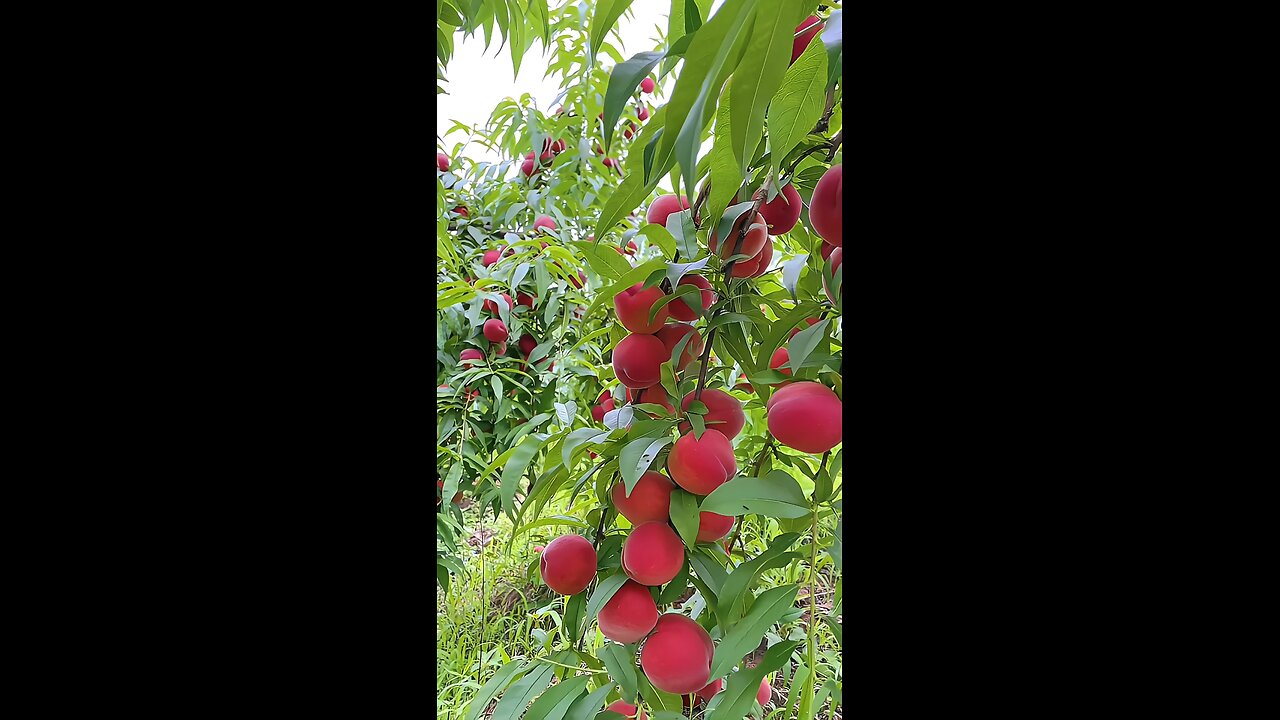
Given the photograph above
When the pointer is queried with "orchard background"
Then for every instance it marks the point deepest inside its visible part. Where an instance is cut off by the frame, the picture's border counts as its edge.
(639, 355)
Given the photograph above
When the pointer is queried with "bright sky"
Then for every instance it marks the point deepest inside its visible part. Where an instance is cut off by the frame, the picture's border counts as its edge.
(478, 81)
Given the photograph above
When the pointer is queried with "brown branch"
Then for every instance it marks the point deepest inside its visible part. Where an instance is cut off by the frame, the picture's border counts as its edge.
(702, 198)
(825, 121)
(835, 144)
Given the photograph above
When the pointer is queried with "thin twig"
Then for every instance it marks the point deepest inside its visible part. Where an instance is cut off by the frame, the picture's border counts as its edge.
(835, 144)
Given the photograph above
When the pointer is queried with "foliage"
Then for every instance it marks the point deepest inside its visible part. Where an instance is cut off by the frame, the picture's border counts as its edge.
(516, 434)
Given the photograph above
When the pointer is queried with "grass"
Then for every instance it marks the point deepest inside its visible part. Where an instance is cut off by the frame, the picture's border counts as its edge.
(499, 611)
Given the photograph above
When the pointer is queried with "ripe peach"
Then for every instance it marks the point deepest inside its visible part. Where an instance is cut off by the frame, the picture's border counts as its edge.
(527, 344)
(525, 299)
(492, 307)
(637, 361)
(646, 85)
(578, 283)
(671, 335)
(643, 113)
(500, 348)
(680, 310)
(623, 708)
(495, 330)
(677, 656)
(597, 412)
(805, 416)
(470, 354)
(806, 31)
(650, 499)
(764, 693)
(538, 548)
(710, 690)
(633, 304)
(723, 409)
(568, 564)
(491, 257)
(546, 157)
(756, 265)
(608, 162)
(462, 210)
(442, 162)
(712, 526)
(780, 358)
(837, 257)
(627, 133)
(782, 214)
(752, 244)
(812, 321)
(827, 249)
(629, 615)
(701, 466)
(656, 395)
(527, 167)
(544, 221)
(825, 211)
(652, 554)
(662, 208)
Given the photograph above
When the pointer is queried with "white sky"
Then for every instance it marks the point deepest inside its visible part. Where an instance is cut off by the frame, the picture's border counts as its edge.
(478, 81)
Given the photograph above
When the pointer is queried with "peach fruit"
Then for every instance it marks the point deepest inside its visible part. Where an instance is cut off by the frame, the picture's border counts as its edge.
(568, 564)
(637, 361)
(650, 499)
(652, 554)
(671, 335)
(680, 310)
(825, 211)
(633, 304)
(495, 330)
(662, 208)
(701, 466)
(723, 409)
(783, 212)
(712, 526)
(677, 656)
(629, 615)
(805, 416)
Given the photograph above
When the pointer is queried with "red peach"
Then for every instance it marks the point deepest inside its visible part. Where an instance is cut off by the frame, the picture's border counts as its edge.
(680, 310)
(671, 335)
(805, 416)
(538, 548)
(623, 708)
(656, 395)
(495, 330)
(756, 265)
(677, 656)
(764, 693)
(837, 257)
(780, 358)
(470, 354)
(525, 299)
(805, 32)
(597, 412)
(491, 257)
(544, 221)
(723, 409)
(442, 162)
(701, 466)
(527, 344)
(568, 564)
(825, 211)
(633, 305)
(712, 526)
(650, 499)
(643, 114)
(646, 85)
(826, 249)
(783, 212)
(662, 208)
(629, 615)
(462, 210)
(710, 690)
(637, 361)
(492, 307)
(752, 244)
(652, 554)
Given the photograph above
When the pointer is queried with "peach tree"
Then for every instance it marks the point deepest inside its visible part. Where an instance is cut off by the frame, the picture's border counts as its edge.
(704, 492)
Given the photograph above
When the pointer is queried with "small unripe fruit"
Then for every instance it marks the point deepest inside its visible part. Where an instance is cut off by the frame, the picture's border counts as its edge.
(568, 564)
(495, 330)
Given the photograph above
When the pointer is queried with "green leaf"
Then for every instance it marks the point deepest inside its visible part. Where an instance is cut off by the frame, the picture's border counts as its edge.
(684, 515)
(517, 696)
(657, 699)
(832, 38)
(797, 105)
(676, 587)
(777, 494)
(739, 693)
(604, 590)
(514, 469)
(709, 571)
(757, 78)
(739, 582)
(624, 79)
(492, 688)
(725, 178)
(804, 343)
(603, 259)
(586, 708)
(554, 703)
(607, 13)
(621, 663)
(680, 225)
(791, 273)
(744, 636)
(660, 236)
(700, 79)
(636, 458)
